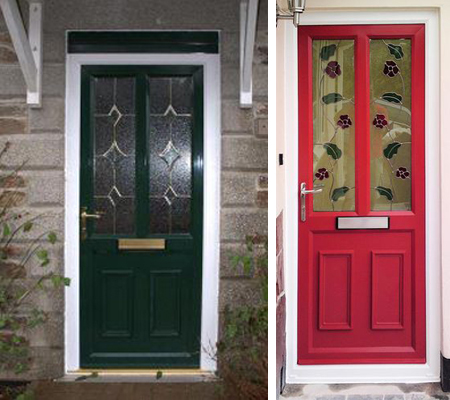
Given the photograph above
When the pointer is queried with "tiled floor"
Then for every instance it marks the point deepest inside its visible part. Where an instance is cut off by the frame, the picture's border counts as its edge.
(425, 391)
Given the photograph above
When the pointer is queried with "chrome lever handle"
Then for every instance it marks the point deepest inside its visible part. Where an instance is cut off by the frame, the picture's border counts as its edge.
(303, 193)
(311, 191)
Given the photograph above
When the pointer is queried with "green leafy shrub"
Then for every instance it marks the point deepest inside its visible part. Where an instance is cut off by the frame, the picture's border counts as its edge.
(20, 252)
(242, 350)
(16, 391)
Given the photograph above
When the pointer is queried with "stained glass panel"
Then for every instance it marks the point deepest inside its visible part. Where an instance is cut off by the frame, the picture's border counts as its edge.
(334, 124)
(390, 109)
(170, 148)
(114, 154)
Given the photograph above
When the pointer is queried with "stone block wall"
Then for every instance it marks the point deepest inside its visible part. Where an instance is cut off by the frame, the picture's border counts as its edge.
(37, 136)
(36, 140)
(244, 169)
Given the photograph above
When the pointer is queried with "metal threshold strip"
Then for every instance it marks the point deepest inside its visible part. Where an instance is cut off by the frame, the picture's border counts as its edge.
(140, 371)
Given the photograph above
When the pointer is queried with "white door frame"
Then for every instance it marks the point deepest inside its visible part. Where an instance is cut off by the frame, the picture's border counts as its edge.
(428, 372)
(211, 201)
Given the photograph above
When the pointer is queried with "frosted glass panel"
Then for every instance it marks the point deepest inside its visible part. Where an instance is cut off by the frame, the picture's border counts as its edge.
(334, 124)
(170, 149)
(390, 135)
(114, 154)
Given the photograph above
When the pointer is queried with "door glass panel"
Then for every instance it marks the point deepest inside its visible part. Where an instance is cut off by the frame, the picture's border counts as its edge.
(334, 124)
(114, 154)
(390, 135)
(170, 148)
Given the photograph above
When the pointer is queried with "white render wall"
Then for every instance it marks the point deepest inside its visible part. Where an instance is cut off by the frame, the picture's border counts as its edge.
(438, 101)
(443, 7)
(280, 115)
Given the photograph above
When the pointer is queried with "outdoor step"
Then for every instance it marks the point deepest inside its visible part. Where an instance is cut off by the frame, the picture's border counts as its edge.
(45, 390)
(390, 391)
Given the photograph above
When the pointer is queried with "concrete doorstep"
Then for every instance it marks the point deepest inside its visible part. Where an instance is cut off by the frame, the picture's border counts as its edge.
(102, 390)
(420, 391)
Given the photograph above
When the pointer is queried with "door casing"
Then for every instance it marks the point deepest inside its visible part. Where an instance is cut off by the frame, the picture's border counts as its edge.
(383, 372)
(211, 211)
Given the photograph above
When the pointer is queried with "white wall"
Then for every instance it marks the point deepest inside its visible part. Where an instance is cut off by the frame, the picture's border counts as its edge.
(443, 6)
(280, 123)
(443, 100)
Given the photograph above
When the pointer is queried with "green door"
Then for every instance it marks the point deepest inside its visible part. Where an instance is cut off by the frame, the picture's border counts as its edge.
(141, 216)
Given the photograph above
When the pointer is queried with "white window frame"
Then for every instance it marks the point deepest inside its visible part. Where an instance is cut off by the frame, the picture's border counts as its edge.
(211, 202)
(372, 373)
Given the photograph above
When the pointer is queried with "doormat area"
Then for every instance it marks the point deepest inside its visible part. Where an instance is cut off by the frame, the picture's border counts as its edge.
(46, 390)
(419, 391)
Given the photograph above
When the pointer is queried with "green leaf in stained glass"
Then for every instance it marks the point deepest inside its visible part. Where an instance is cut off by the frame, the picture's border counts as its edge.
(396, 51)
(386, 192)
(332, 98)
(339, 192)
(333, 151)
(327, 51)
(392, 97)
(391, 150)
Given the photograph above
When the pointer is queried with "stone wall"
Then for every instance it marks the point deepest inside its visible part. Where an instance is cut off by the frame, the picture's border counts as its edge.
(36, 139)
(37, 136)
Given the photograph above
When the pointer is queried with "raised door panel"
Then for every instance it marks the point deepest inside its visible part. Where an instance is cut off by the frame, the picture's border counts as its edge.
(116, 303)
(388, 290)
(165, 303)
(335, 290)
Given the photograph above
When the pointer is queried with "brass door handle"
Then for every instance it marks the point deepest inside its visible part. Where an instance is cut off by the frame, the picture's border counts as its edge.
(84, 216)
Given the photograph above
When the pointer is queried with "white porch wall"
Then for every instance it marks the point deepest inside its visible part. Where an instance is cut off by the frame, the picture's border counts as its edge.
(444, 14)
(280, 123)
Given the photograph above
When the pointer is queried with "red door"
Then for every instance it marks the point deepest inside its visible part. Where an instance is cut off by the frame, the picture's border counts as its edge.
(361, 246)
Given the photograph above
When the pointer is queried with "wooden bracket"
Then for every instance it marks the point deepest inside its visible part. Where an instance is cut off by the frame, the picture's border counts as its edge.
(28, 48)
(249, 16)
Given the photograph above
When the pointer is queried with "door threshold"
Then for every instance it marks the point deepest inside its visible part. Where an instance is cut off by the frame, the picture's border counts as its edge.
(140, 371)
(138, 375)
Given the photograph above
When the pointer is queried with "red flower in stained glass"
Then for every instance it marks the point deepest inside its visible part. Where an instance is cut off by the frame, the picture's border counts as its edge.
(402, 173)
(344, 121)
(380, 121)
(333, 69)
(390, 69)
(322, 174)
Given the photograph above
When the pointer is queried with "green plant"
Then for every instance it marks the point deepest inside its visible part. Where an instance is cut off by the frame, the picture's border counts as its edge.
(16, 391)
(242, 350)
(21, 252)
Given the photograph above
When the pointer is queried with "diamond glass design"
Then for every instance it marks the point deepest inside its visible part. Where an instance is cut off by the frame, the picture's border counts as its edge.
(170, 154)
(170, 195)
(114, 196)
(114, 154)
(170, 111)
(113, 100)
(115, 113)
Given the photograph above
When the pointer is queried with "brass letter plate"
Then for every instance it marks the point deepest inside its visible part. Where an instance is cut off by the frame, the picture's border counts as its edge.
(362, 223)
(142, 244)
